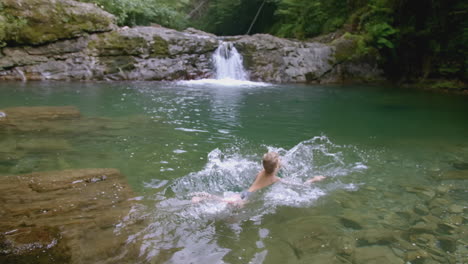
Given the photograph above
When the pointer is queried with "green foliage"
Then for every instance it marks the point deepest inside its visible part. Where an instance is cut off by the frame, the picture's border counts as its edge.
(145, 12)
(234, 17)
(307, 18)
(9, 27)
(380, 35)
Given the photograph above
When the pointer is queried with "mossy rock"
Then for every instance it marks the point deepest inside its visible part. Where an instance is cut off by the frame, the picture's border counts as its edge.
(115, 44)
(160, 47)
(34, 245)
(116, 64)
(35, 22)
(350, 47)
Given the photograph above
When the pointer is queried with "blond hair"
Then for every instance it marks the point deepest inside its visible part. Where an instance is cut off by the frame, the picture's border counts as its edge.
(270, 161)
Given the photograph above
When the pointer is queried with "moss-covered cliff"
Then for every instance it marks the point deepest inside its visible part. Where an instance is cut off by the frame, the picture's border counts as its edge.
(35, 22)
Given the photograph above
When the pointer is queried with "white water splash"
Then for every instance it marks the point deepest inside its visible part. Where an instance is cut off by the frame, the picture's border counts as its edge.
(179, 223)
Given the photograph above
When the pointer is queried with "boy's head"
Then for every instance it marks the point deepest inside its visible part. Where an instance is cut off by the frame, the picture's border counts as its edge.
(270, 162)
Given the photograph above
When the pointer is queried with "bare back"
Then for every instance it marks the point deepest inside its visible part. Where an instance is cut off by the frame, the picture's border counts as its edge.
(263, 180)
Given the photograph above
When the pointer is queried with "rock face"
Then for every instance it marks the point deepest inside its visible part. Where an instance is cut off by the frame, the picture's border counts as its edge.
(61, 40)
(62, 216)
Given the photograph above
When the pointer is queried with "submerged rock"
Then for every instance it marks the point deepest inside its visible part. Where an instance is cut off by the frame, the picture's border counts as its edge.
(376, 254)
(63, 216)
(34, 245)
(454, 175)
(17, 114)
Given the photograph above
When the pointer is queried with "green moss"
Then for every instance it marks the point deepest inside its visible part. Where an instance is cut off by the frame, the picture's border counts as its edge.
(114, 44)
(345, 47)
(446, 85)
(160, 47)
(38, 22)
(350, 47)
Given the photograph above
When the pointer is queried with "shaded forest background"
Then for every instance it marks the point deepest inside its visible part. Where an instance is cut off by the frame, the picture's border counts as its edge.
(414, 41)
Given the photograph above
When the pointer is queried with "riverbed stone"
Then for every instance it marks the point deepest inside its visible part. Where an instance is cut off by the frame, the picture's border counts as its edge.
(353, 220)
(423, 227)
(447, 243)
(455, 219)
(376, 236)
(416, 256)
(456, 209)
(454, 175)
(443, 189)
(345, 245)
(422, 191)
(421, 209)
(439, 202)
(460, 165)
(447, 228)
(65, 213)
(376, 255)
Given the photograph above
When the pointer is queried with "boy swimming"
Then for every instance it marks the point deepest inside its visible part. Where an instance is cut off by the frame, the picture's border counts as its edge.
(267, 176)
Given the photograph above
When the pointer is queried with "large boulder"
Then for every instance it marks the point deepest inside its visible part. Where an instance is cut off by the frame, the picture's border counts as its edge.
(34, 22)
(273, 59)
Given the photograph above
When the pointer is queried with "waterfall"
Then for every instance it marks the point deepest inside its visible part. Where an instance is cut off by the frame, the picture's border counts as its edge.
(228, 63)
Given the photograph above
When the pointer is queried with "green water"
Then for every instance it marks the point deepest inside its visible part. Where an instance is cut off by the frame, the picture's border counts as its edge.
(173, 139)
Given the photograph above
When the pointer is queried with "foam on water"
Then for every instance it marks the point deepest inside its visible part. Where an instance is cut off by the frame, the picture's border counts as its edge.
(223, 82)
(179, 223)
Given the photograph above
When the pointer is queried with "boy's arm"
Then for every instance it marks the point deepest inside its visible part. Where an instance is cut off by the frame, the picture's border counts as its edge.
(315, 179)
(289, 182)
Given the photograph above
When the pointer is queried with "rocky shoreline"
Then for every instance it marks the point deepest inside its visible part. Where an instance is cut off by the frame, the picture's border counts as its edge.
(62, 216)
(89, 46)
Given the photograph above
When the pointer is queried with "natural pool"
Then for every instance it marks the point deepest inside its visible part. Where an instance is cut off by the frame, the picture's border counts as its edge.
(396, 163)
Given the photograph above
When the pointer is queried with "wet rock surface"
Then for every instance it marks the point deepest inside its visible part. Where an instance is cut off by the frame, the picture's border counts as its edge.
(62, 216)
(50, 49)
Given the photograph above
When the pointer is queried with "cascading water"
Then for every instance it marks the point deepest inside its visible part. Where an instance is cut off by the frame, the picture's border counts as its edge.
(229, 70)
(228, 63)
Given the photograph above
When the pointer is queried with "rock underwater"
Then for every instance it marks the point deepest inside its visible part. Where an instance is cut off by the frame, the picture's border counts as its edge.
(67, 216)
(89, 46)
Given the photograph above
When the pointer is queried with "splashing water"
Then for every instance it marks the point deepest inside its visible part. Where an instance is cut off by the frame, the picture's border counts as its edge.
(178, 223)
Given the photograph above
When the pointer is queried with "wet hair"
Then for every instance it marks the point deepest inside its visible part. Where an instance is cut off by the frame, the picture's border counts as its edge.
(270, 161)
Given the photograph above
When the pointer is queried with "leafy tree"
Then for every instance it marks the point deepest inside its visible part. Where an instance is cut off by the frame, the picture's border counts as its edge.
(145, 12)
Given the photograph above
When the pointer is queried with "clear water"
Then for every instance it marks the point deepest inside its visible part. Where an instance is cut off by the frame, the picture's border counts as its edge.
(174, 140)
